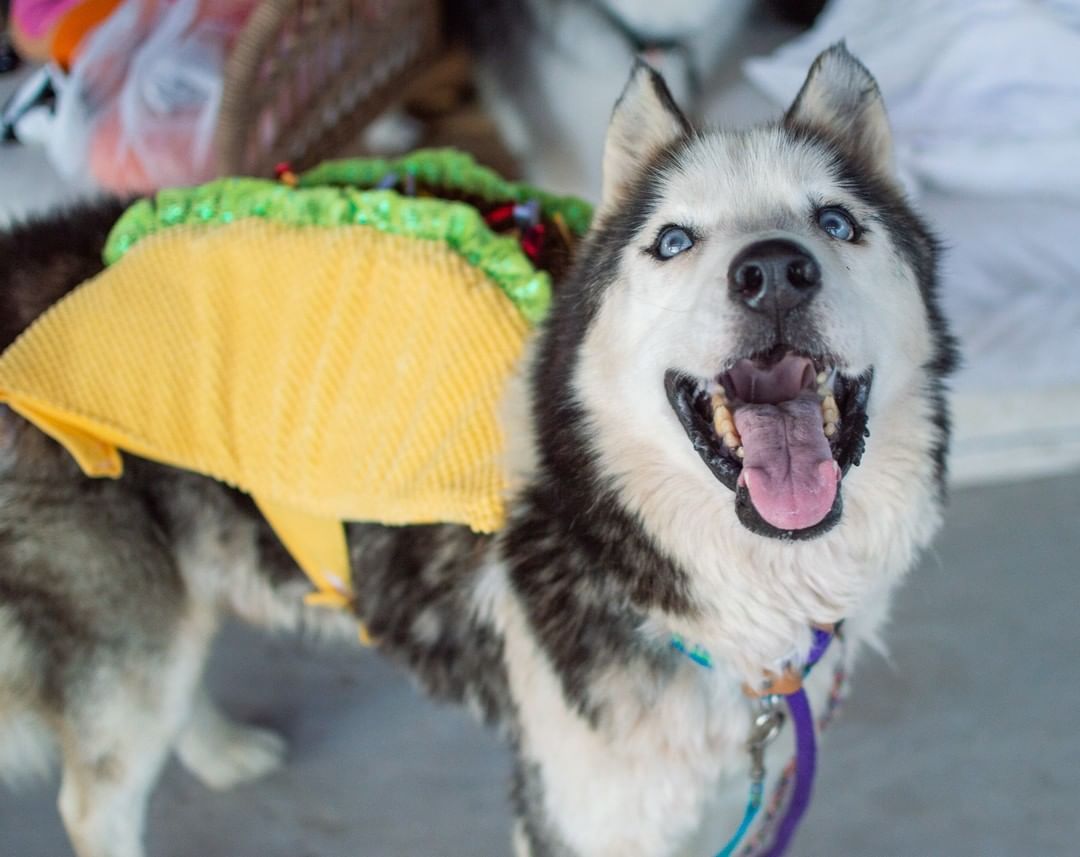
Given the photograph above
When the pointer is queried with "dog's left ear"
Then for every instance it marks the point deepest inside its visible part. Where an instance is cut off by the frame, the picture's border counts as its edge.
(645, 120)
(841, 99)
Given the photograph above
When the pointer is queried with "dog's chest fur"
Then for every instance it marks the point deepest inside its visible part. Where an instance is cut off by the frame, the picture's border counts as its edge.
(632, 761)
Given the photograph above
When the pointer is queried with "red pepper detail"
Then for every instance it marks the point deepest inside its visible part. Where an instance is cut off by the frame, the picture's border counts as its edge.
(532, 242)
(500, 216)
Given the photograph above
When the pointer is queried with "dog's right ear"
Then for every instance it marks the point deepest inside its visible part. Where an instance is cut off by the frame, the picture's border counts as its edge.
(645, 120)
(841, 99)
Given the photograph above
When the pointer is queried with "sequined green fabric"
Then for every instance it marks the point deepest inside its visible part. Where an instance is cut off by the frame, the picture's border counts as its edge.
(333, 195)
(451, 169)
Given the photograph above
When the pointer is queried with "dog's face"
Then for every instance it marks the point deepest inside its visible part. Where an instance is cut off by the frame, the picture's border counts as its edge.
(757, 304)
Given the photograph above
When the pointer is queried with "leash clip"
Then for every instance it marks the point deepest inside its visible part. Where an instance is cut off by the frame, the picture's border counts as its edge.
(767, 724)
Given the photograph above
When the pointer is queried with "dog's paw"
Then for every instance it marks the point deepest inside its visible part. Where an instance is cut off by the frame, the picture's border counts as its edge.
(248, 754)
(234, 754)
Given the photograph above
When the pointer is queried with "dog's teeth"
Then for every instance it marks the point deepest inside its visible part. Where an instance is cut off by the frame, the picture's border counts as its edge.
(830, 415)
(824, 381)
(722, 421)
(740, 452)
(725, 425)
(829, 410)
(719, 399)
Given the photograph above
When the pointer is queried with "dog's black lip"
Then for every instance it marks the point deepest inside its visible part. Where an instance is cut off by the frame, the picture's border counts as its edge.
(750, 518)
(693, 408)
(852, 396)
(690, 402)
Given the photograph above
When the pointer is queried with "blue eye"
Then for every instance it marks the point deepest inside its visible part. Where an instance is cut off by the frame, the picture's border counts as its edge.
(672, 241)
(837, 223)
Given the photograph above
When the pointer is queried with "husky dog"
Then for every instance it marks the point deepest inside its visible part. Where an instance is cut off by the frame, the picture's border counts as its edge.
(737, 431)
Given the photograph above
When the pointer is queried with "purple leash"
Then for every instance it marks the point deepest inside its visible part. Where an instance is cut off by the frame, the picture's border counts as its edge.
(805, 763)
(798, 705)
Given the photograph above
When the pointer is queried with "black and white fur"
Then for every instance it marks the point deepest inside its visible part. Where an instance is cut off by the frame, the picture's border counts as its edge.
(556, 630)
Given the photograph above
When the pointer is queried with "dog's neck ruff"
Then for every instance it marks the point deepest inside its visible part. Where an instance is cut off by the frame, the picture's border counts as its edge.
(767, 723)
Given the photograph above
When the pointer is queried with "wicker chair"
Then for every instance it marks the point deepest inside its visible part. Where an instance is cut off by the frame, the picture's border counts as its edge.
(306, 76)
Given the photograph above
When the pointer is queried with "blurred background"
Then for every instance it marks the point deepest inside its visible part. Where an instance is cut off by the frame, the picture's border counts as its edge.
(963, 741)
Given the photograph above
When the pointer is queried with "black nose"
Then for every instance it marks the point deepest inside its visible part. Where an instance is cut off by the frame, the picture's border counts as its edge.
(774, 277)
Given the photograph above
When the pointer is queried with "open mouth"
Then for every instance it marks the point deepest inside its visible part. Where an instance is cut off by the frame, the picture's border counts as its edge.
(780, 430)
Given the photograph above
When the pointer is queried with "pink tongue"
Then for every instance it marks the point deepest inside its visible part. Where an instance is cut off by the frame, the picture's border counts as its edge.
(788, 467)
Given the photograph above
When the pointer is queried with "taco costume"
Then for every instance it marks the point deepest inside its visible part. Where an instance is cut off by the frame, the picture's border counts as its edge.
(335, 345)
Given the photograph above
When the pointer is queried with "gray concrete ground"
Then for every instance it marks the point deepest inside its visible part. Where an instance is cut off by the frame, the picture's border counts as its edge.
(964, 744)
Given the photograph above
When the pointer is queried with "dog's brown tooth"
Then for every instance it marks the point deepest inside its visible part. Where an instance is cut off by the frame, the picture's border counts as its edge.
(829, 411)
(723, 421)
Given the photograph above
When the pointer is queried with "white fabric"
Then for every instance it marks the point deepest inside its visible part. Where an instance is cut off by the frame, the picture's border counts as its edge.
(982, 94)
(984, 99)
(155, 70)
